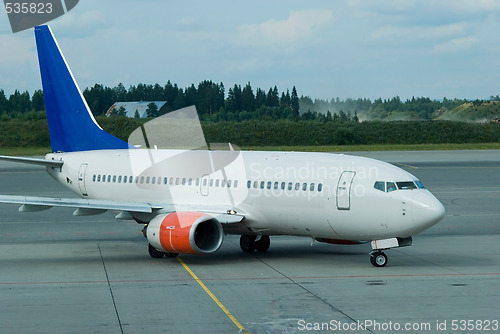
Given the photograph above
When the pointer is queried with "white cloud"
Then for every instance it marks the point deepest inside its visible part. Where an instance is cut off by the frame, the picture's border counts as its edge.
(186, 20)
(418, 32)
(455, 45)
(299, 26)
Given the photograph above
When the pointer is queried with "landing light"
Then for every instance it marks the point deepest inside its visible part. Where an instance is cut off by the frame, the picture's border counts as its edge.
(231, 212)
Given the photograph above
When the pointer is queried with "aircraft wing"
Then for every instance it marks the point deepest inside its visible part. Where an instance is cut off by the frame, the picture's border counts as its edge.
(87, 207)
(32, 204)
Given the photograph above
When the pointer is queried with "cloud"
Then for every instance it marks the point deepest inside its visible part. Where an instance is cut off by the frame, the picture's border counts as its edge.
(418, 32)
(455, 45)
(299, 26)
(18, 50)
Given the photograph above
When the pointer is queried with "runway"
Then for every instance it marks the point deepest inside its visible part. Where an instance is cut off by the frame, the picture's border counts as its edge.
(65, 274)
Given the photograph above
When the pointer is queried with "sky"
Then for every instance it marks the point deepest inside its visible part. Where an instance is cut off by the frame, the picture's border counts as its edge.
(327, 49)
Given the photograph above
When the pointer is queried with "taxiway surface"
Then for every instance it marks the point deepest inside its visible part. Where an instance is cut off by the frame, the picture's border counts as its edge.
(65, 274)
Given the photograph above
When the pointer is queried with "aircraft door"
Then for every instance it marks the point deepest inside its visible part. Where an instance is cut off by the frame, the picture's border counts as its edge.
(204, 184)
(81, 179)
(344, 190)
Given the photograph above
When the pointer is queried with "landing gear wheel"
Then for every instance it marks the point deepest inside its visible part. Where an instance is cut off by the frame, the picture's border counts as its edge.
(171, 254)
(154, 253)
(247, 243)
(263, 243)
(378, 259)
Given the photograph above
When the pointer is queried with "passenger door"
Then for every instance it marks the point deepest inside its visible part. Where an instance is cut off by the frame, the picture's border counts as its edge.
(344, 190)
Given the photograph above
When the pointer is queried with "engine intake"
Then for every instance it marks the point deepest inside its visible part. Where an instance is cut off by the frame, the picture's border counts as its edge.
(185, 233)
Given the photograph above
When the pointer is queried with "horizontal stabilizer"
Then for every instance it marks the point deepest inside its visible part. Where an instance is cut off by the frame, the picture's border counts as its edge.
(33, 161)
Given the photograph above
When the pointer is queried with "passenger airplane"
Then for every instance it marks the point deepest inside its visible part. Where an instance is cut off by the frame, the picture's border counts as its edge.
(188, 200)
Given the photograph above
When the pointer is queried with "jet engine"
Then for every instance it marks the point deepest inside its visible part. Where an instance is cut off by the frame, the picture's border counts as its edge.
(185, 233)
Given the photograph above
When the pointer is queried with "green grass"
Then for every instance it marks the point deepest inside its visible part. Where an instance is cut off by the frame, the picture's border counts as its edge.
(24, 151)
(30, 151)
(349, 148)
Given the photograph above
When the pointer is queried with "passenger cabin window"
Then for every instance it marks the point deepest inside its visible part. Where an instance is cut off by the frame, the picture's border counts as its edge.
(235, 183)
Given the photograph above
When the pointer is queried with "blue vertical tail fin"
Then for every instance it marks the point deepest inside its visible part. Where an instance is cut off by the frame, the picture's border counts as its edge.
(72, 127)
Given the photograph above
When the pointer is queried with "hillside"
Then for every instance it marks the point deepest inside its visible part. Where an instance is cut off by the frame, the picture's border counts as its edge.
(476, 111)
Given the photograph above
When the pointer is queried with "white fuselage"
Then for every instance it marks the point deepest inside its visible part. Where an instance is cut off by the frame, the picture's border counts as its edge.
(321, 195)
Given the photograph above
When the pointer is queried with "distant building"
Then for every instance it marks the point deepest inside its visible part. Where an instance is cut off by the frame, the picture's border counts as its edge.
(130, 108)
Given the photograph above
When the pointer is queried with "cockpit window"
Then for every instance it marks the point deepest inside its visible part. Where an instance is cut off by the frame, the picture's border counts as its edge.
(391, 186)
(406, 185)
(402, 185)
(379, 185)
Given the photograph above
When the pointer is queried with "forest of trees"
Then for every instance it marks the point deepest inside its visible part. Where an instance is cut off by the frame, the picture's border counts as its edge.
(246, 103)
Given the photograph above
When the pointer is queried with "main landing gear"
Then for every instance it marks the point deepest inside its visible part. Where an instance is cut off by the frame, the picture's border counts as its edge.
(156, 254)
(249, 243)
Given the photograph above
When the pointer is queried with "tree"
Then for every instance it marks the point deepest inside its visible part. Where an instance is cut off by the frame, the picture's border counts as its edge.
(19, 102)
(234, 99)
(37, 101)
(247, 98)
(99, 98)
(152, 110)
(180, 100)
(355, 118)
(4, 103)
(273, 99)
(136, 114)
(285, 99)
(260, 98)
(119, 112)
(294, 102)
(119, 93)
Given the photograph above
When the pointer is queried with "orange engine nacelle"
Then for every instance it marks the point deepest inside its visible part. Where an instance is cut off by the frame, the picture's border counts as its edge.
(185, 233)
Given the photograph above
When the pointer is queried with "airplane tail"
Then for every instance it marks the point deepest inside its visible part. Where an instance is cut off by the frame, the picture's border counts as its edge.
(72, 127)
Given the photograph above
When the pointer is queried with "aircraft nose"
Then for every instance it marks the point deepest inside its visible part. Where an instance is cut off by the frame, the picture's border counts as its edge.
(429, 210)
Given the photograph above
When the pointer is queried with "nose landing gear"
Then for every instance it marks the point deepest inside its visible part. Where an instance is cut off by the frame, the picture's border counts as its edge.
(378, 258)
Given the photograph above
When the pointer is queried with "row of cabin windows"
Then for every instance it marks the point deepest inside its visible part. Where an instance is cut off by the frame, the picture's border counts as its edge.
(205, 182)
(290, 186)
(164, 180)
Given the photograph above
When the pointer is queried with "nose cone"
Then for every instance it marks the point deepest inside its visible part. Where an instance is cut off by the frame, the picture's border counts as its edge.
(428, 210)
